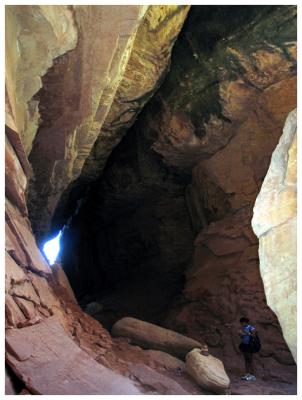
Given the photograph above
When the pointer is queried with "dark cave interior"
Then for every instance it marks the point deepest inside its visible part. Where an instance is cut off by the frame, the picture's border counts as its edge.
(131, 240)
(131, 252)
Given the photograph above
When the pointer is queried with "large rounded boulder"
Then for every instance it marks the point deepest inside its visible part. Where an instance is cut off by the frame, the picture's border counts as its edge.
(207, 371)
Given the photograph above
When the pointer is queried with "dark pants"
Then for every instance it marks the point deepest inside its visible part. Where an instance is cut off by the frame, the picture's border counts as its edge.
(248, 358)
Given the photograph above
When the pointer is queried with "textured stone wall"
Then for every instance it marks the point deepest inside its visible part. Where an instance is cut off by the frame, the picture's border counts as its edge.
(34, 292)
(223, 124)
(70, 69)
(275, 224)
(63, 67)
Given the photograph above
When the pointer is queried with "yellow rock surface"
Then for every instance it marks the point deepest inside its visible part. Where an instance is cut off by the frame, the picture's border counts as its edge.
(275, 223)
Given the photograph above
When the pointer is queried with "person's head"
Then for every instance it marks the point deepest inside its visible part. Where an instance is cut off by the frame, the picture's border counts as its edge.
(244, 321)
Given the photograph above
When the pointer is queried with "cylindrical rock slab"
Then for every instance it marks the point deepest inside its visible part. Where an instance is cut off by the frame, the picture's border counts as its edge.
(207, 371)
(150, 336)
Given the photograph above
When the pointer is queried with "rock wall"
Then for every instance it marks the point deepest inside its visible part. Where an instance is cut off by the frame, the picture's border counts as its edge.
(91, 69)
(63, 67)
(223, 124)
(275, 224)
(34, 293)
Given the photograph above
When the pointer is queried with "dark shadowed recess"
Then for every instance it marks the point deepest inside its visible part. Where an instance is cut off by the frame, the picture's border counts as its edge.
(128, 246)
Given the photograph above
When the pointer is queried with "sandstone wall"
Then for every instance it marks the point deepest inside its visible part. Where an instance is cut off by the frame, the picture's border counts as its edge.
(224, 125)
(275, 224)
(33, 293)
(70, 69)
(63, 67)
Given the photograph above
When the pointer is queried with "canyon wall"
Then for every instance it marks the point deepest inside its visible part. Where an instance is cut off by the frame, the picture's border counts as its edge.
(36, 294)
(275, 223)
(63, 68)
(106, 76)
(223, 120)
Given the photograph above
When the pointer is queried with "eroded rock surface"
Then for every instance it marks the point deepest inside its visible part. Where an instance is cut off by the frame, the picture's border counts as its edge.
(94, 72)
(35, 354)
(275, 223)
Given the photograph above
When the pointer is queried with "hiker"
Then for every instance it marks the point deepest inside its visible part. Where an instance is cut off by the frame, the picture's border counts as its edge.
(246, 332)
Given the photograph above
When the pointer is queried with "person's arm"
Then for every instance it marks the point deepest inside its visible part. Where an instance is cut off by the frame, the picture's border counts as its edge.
(252, 332)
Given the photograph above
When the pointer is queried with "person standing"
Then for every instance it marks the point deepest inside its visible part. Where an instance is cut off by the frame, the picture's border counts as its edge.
(246, 332)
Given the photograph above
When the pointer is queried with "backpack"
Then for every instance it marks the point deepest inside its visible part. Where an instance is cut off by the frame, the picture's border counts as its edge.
(255, 343)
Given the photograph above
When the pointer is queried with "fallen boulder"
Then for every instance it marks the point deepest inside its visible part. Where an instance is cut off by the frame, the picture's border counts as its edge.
(166, 360)
(150, 336)
(207, 371)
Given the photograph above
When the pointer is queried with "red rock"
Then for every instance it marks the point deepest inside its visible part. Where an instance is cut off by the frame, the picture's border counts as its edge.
(62, 280)
(13, 314)
(27, 307)
(13, 247)
(160, 384)
(21, 229)
(15, 179)
(13, 273)
(49, 362)
(46, 296)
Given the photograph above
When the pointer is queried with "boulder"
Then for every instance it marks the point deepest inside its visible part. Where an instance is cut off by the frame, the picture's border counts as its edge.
(93, 308)
(207, 371)
(150, 336)
(166, 360)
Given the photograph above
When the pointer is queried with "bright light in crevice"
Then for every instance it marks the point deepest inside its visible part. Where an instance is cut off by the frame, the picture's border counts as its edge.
(52, 248)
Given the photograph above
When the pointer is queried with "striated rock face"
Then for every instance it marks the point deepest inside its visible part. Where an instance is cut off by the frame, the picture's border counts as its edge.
(35, 354)
(33, 294)
(94, 72)
(275, 223)
(35, 36)
(145, 71)
(74, 100)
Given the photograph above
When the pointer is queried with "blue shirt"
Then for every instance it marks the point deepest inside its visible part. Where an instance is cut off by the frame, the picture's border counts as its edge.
(246, 338)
